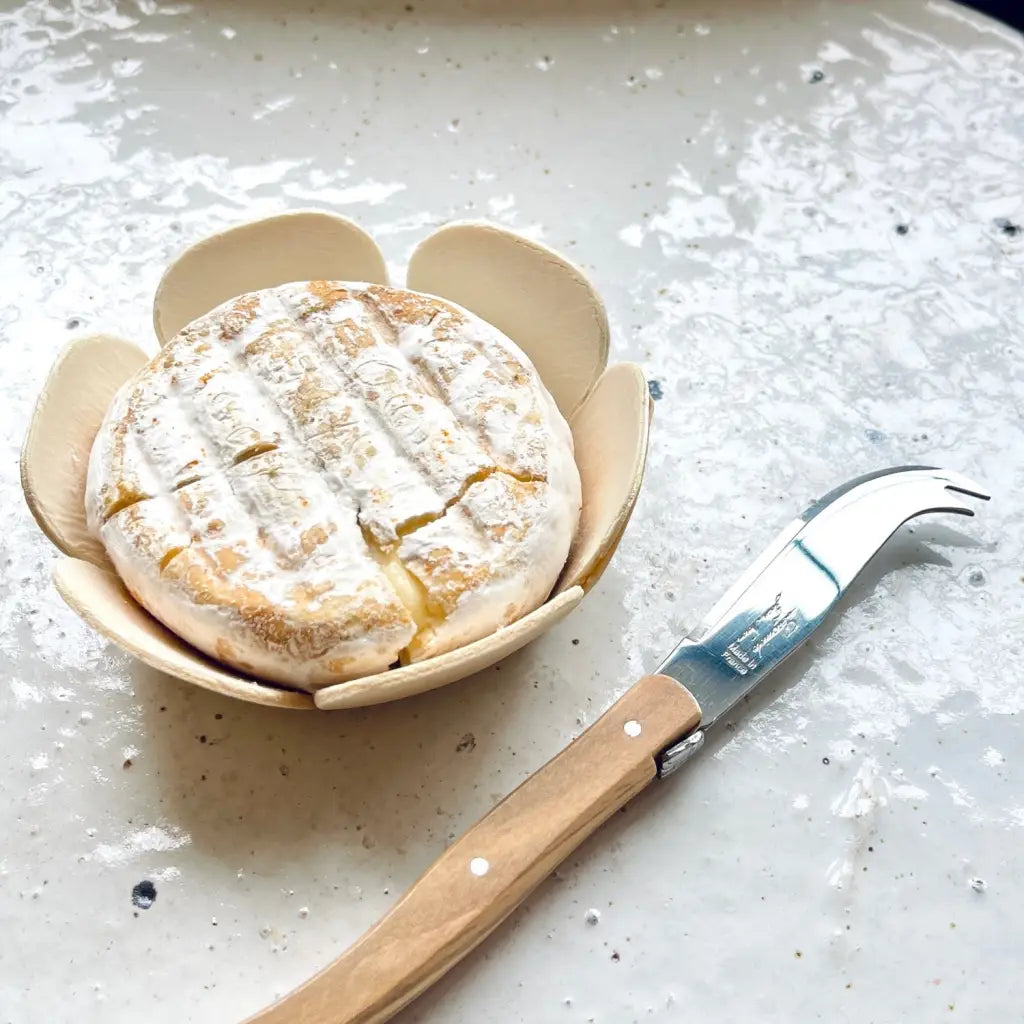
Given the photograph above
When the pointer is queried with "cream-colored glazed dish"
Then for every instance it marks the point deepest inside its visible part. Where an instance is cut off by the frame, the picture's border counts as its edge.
(313, 482)
(529, 293)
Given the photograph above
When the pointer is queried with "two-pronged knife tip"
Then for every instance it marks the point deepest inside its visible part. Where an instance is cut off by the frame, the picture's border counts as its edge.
(969, 488)
(960, 484)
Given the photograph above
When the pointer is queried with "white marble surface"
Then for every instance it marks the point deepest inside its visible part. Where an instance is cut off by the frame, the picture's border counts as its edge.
(851, 848)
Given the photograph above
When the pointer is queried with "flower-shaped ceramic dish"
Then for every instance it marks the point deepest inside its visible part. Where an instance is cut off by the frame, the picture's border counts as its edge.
(536, 297)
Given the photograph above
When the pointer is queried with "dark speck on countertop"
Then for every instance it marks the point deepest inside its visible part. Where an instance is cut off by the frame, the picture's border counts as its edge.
(902, 229)
(816, 76)
(654, 386)
(144, 894)
(1007, 227)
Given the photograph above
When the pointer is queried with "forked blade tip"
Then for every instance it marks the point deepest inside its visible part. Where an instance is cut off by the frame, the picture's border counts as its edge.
(964, 485)
(898, 475)
(973, 491)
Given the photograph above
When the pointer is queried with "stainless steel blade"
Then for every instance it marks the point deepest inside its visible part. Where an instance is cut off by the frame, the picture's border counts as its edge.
(790, 588)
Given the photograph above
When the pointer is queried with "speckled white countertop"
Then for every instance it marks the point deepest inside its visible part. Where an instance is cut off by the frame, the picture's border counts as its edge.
(808, 222)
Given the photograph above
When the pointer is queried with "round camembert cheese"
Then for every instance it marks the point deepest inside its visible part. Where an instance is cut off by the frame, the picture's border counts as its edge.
(315, 481)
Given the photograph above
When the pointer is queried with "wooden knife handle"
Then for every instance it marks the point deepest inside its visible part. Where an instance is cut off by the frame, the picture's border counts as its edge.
(479, 880)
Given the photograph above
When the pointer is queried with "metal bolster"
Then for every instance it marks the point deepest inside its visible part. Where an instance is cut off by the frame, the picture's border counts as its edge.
(672, 758)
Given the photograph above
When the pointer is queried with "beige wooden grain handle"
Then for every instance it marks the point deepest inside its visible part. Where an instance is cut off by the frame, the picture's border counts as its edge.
(480, 879)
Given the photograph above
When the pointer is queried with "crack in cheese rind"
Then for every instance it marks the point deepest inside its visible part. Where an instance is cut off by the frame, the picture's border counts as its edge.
(300, 486)
(418, 522)
(408, 590)
(450, 579)
(491, 549)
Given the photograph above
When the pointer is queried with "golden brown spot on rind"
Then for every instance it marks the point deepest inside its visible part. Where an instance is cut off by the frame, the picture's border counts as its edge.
(252, 451)
(309, 396)
(413, 308)
(242, 313)
(169, 555)
(353, 339)
(304, 594)
(449, 578)
(341, 666)
(122, 498)
(313, 538)
(327, 294)
(229, 559)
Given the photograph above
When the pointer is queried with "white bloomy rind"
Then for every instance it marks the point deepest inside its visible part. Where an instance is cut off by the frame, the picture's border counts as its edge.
(314, 480)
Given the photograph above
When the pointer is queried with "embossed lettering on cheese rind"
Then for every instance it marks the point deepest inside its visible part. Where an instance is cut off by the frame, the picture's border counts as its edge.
(314, 481)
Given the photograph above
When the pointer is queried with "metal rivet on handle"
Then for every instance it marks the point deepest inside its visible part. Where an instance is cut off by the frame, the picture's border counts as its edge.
(632, 728)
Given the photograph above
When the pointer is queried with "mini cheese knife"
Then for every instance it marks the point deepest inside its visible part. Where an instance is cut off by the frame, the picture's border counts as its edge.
(648, 733)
